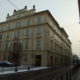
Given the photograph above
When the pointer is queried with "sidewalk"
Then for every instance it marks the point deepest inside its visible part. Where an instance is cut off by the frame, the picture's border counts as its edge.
(76, 76)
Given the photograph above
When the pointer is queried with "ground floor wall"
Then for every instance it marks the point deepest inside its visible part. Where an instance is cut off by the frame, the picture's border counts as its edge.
(39, 58)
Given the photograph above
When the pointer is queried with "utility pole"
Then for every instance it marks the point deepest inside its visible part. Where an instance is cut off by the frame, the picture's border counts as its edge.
(79, 10)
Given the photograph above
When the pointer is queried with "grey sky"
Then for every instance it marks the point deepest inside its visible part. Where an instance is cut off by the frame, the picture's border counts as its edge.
(64, 11)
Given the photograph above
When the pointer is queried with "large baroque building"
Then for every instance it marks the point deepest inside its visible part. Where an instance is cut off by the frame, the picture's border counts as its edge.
(34, 38)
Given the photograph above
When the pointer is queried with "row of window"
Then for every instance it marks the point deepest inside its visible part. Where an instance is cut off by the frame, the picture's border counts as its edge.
(21, 23)
(25, 44)
(26, 33)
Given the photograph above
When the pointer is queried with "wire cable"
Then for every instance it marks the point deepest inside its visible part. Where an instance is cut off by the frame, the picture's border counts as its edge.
(12, 4)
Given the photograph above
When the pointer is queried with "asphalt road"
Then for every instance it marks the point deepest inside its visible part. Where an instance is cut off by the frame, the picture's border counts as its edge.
(76, 75)
(51, 73)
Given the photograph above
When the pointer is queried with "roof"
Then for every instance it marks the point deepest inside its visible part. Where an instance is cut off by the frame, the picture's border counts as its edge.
(49, 14)
(62, 29)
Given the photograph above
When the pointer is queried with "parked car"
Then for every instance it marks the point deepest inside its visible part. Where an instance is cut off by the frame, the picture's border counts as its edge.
(6, 64)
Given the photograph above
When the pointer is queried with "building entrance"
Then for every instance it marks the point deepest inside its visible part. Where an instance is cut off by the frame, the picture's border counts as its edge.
(51, 60)
(16, 58)
(16, 52)
(38, 60)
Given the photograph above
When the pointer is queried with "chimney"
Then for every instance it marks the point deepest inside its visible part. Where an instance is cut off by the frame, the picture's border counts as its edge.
(33, 6)
(25, 7)
(14, 10)
(8, 15)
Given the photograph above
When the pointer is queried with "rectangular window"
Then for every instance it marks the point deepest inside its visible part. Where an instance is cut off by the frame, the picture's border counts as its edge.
(18, 24)
(39, 31)
(26, 44)
(27, 33)
(0, 36)
(6, 45)
(11, 35)
(0, 45)
(40, 19)
(9, 45)
(7, 27)
(25, 57)
(7, 35)
(1, 28)
(17, 34)
(23, 44)
(38, 44)
(4, 36)
(12, 25)
(29, 22)
(51, 45)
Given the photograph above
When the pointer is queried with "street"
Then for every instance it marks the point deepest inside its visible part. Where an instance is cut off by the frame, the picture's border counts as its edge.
(76, 75)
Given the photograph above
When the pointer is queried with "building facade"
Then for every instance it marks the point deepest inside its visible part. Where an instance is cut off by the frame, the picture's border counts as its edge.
(34, 38)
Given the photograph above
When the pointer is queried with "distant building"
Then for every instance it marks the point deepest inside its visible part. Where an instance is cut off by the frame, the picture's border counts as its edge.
(34, 38)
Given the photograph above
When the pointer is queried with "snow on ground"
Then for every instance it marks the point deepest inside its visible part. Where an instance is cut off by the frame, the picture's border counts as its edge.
(9, 70)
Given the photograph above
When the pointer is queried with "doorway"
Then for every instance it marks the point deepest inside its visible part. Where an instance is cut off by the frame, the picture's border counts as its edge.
(51, 60)
(38, 60)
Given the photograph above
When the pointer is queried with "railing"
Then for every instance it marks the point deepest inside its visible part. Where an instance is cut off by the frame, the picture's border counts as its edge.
(51, 73)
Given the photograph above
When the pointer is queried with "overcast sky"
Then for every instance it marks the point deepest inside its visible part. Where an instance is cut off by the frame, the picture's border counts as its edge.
(64, 11)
